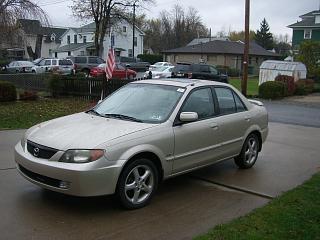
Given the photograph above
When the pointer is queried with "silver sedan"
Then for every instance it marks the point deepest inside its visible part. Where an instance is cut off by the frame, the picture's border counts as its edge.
(146, 132)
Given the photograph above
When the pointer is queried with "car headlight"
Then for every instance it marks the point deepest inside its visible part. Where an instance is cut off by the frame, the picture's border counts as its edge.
(81, 156)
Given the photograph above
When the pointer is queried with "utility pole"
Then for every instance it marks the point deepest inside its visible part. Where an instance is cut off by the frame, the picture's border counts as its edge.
(244, 82)
(134, 27)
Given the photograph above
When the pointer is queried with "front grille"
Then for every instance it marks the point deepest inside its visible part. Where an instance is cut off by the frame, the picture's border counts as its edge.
(40, 178)
(40, 151)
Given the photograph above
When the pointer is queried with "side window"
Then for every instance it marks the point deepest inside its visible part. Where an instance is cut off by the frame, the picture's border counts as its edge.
(42, 63)
(213, 70)
(201, 102)
(240, 106)
(226, 101)
(47, 63)
(54, 62)
(100, 60)
(204, 68)
(93, 60)
(80, 60)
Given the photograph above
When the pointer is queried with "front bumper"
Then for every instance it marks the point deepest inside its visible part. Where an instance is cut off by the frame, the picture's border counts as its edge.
(89, 179)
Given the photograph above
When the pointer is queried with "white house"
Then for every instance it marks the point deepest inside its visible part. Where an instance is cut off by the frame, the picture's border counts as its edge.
(80, 41)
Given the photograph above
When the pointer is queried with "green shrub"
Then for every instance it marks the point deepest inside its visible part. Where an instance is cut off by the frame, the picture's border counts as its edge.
(272, 90)
(304, 87)
(8, 92)
(151, 58)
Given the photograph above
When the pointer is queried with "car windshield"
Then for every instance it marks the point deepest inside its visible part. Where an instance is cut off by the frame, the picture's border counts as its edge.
(149, 103)
(103, 65)
(160, 69)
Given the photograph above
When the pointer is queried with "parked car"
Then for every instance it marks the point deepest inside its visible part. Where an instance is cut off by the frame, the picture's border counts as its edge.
(160, 64)
(86, 63)
(145, 132)
(159, 72)
(133, 63)
(20, 67)
(62, 66)
(198, 71)
(119, 72)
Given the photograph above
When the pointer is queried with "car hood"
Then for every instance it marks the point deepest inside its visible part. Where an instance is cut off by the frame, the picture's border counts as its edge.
(82, 131)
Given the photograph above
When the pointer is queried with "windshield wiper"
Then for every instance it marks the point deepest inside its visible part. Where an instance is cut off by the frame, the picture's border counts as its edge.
(94, 112)
(122, 117)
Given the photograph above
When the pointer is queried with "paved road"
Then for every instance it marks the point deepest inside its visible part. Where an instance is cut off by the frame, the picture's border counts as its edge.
(304, 114)
(184, 207)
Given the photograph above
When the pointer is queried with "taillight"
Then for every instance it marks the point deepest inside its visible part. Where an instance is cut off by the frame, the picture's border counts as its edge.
(189, 75)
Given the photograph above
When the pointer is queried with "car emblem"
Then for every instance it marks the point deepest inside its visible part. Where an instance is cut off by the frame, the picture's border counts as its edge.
(36, 152)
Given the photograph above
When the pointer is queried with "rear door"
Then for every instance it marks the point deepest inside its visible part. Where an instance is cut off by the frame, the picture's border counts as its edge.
(233, 121)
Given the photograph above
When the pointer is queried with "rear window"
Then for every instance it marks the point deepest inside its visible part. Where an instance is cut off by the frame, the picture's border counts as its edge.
(65, 62)
(182, 68)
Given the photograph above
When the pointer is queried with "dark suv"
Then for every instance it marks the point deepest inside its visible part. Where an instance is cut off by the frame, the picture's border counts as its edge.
(198, 71)
(85, 63)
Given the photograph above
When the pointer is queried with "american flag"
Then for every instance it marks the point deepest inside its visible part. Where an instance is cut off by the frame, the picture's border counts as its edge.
(111, 63)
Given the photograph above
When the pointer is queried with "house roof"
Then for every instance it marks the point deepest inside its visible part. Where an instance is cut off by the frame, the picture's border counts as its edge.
(310, 14)
(306, 22)
(53, 30)
(223, 47)
(205, 40)
(73, 47)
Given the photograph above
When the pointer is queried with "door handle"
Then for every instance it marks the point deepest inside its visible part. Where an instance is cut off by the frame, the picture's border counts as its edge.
(248, 118)
(214, 126)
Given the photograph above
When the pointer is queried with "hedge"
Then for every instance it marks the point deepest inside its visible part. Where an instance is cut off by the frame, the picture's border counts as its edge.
(8, 92)
(289, 82)
(272, 90)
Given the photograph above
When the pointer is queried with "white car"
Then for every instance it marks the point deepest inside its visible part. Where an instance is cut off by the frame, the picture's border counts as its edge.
(159, 72)
(160, 64)
(62, 66)
(145, 132)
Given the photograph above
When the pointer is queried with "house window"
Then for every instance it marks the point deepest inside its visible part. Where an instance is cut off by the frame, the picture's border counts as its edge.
(55, 54)
(53, 38)
(112, 40)
(75, 38)
(307, 34)
(135, 41)
(84, 39)
(82, 53)
(50, 52)
(124, 29)
(68, 39)
(130, 53)
(69, 53)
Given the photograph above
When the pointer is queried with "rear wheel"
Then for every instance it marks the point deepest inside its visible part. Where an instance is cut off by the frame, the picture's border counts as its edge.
(249, 153)
(137, 183)
(86, 72)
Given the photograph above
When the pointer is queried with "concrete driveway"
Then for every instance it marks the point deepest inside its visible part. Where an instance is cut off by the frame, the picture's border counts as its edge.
(183, 207)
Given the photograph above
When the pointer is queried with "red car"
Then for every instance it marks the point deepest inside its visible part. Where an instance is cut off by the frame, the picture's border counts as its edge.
(119, 72)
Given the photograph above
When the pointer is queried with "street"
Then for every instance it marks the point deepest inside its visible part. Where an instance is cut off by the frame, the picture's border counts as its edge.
(183, 207)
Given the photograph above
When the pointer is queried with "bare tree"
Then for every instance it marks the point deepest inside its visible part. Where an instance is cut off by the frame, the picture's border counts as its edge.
(11, 10)
(174, 29)
(101, 11)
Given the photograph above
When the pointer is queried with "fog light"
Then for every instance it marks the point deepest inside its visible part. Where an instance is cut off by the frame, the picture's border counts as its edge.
(64, 185)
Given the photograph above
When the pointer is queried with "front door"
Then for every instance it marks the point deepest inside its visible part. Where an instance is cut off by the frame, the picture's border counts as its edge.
(195, 142)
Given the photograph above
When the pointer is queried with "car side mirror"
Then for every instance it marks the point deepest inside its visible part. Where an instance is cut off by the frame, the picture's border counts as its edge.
(188, 117)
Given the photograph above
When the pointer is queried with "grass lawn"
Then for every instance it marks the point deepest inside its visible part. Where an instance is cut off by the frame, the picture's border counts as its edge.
(253, 85)
(294, 215)
(25, 114)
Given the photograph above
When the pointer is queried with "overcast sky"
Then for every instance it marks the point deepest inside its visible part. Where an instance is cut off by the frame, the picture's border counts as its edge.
(216, 14)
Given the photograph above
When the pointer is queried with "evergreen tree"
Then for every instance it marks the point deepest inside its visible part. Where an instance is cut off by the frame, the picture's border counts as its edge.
(264, 37)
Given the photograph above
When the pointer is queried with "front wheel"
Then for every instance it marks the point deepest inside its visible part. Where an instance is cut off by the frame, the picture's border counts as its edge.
(249, 153)
(137, 184)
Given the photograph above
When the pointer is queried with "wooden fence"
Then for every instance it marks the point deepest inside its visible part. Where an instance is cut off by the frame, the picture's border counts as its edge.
(60, 86)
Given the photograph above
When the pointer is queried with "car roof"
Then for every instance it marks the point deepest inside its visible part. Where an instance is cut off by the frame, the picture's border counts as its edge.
(182, 82)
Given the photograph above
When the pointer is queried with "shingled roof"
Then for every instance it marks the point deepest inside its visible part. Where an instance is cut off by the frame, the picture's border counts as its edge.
(223, 47)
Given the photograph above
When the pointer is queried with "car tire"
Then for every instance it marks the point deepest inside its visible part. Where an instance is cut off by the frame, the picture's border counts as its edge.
(86, 72)
(249, 152)
(137, 184)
